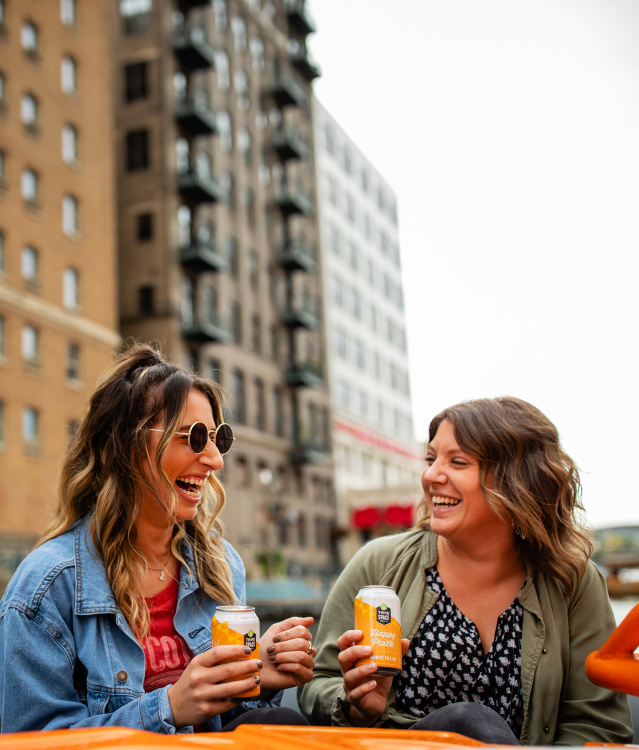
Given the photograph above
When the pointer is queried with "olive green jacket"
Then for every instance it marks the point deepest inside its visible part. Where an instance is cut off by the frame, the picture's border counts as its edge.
(561, 706)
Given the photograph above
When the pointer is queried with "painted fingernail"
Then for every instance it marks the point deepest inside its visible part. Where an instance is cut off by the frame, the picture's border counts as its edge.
(257, 679)
(247, 649)
(275, 664)
(277, 639)
(259, 664)
(271, 649)
(271, 657)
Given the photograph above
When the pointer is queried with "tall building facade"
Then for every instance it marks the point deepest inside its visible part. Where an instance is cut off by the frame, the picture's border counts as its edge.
(378, 463)
(58, 311)
(217, 235)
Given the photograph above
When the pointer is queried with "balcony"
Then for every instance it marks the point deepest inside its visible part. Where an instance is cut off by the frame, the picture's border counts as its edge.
(304, 375)
(287, 91)
(296, 255)
(300, 316)
(201, 257)
(292, 200)
(289, 144)
(304, 63)
(207, 331)
(308, 452)
(192, 48)
(199, 187)
(299, 19)
(195, 116)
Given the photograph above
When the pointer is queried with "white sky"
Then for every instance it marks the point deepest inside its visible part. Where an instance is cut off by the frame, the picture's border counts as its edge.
(509, 130)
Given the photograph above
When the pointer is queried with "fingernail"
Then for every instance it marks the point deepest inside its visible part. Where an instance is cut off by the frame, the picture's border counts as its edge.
(275, 664)
(367, 650)
(271, 649)
(277, 639)
(248, 650)
(259, 664)
(257, 679)
(271, 657)
(371, 667)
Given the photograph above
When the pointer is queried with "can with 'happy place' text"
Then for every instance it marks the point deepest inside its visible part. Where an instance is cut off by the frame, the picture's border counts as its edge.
(378, 616)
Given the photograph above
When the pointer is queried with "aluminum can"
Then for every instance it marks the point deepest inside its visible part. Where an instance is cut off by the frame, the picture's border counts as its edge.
(237, 626)
(378, 616)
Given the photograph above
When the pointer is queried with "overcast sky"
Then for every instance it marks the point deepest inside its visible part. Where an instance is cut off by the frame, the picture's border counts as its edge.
(509, 130)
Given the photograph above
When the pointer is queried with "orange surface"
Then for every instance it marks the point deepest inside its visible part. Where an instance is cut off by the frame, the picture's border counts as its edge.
(248, 737)
(615, 665)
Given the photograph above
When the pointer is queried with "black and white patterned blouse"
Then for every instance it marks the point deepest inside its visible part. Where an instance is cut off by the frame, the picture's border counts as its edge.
(446, 662)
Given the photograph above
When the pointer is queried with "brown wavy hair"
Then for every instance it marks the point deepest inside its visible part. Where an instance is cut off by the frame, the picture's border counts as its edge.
(527, 478)
(102, 476)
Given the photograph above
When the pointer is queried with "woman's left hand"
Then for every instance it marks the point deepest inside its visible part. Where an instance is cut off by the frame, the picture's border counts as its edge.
(284, 650)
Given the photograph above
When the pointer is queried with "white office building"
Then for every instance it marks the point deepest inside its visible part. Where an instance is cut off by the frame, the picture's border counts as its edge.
(378, 462)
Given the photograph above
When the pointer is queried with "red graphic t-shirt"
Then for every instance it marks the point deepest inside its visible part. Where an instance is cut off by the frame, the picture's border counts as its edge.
(165, 651)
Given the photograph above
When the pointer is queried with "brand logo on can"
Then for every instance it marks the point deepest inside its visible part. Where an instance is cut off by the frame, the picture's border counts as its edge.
(383, 614)
(250, 640)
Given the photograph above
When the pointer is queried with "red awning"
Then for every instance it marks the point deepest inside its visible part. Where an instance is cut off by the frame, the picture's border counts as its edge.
(393, 515)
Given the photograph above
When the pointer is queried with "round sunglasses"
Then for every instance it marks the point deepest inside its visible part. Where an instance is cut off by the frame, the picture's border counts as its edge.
(198, 437)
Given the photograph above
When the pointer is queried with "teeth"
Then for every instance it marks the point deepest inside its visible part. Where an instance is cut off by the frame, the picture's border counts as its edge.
(449, 501)
(192, 480)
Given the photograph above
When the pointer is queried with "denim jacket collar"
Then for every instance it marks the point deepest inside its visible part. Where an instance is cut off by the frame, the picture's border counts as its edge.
(93, 594)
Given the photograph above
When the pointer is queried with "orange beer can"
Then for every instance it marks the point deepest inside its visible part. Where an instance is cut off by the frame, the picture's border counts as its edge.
(237, 626)
(378, 616)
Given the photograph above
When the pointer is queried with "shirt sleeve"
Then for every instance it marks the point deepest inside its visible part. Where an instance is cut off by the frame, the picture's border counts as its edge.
(588, 712)
(37, 690)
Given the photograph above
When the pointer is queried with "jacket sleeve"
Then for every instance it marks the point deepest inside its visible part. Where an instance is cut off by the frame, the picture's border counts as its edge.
(322, 700)
(587, 712)
(37, 691)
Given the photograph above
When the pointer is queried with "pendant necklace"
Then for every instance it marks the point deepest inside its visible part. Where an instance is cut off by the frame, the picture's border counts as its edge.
(161, 569)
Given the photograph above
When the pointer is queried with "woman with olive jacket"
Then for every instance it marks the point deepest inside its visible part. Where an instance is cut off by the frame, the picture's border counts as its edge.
(499, 565)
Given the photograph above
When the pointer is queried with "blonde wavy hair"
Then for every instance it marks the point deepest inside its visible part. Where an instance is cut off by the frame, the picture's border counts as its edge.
(102, 477)
(527, 478)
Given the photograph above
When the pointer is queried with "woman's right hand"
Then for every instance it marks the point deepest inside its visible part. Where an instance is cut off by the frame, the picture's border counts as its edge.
(367, 697)
(198, 694)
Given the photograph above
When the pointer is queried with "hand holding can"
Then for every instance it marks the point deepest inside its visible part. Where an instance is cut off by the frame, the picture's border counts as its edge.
(237, 626)
(378, 616)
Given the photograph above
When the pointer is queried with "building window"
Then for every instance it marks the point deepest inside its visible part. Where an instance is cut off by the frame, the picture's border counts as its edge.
(136, 15)
(219, 14)
(136, 85)
(225, 130)
(137, 150)
(29, 111)
(31, 344)
(70, 288)
(147, 300)
(238, 27)
(69, 144)
(67, 12)
(241, 83)
(29, 186)
(236, 321)
(29, 265)
(244, 145)
(31, 428)
(68, 75)
(256, 333)
(29, 38)
(239, 402)
(222, 70)
(145, 226)
(73, 362)
(260, 411)
(69, 215)
(257, 54)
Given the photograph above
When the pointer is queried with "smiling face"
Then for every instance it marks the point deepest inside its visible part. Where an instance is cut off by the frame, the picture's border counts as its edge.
(185, 470)
(451, 483)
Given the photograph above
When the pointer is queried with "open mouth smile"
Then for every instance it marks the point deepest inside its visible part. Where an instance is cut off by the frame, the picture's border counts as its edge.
(191, 486)
(439, 501)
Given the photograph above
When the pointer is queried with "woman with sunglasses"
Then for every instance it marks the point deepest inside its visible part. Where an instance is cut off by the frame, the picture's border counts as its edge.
(108, 620)
(500, 603)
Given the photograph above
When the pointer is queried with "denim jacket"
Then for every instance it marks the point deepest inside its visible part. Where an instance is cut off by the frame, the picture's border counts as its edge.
(68, 658)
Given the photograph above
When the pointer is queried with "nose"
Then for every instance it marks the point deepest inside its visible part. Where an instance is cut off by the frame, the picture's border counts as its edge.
(433, 474)
(211, 456)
